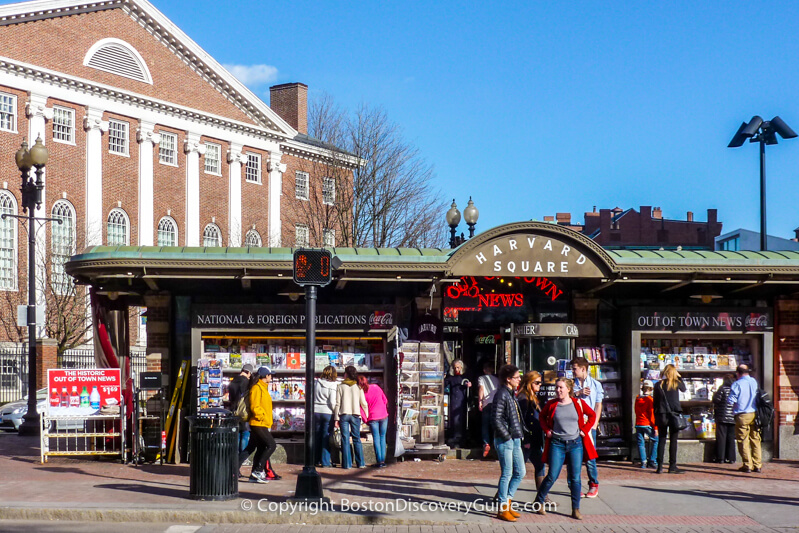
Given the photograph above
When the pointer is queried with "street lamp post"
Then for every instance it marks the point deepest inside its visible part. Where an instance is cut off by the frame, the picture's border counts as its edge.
(31, 189)
(453, 217)
(764, 132)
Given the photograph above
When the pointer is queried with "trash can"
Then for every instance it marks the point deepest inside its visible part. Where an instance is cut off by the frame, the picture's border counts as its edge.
(213, 459)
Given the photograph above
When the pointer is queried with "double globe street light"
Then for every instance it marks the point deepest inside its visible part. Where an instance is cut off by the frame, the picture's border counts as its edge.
(470, 215)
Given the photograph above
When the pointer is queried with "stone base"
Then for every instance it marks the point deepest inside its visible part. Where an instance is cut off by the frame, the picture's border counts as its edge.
(704, 451)
(789, 442)
(294, 453)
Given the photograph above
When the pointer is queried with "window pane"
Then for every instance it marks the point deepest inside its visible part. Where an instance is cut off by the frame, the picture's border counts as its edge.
(8, 244)
(117, 228)
(211, 236)
(301, 185)
(167, 233)
(63, 124)
(253, 172)
(253, 239)
(329, 237)
(167, 149)
(118, 137)
(212, 158)
(329, 191)
(301, 235)
(8, 112)
(62, 246)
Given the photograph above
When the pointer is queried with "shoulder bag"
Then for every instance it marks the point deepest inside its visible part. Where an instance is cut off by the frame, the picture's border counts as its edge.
(678, 420)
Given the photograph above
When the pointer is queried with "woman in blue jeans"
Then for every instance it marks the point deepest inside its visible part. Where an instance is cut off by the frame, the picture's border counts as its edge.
(377, 419)
(324, 396)
(507, 423)
(350, 402)
(567, 424)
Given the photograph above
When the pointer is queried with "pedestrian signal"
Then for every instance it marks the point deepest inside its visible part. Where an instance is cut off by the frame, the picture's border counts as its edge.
(312, 267)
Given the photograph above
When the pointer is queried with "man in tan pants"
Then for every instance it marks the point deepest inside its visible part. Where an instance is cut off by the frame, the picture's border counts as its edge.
(742, 398)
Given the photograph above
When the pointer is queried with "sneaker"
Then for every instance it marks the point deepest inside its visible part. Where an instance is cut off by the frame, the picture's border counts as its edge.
(247, 462)
(258, 477)
(593, 491)
(486, 449)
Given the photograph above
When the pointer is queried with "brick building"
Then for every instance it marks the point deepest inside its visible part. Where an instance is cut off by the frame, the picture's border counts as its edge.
(151, 141)
(618, 228)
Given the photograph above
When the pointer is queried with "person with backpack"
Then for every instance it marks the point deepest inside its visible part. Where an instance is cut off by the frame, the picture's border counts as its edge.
(238, 389)
(743, 399)
(261, 440)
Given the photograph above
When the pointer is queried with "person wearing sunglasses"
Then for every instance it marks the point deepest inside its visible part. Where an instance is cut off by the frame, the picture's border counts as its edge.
(533, 442)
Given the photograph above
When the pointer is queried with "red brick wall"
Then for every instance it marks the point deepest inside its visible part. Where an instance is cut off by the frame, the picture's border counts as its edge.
(43, 43)
(169, 185)
(787, 358)
(121, 179)
(214, 193)
(255, 199)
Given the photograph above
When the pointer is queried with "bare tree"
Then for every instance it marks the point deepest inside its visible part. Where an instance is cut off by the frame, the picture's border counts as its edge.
(384, 193)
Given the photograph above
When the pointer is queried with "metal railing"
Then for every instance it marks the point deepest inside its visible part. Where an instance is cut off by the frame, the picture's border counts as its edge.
(14, 367)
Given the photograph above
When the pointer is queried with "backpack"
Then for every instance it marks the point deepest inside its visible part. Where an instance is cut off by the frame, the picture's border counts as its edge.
(242, 409)
(764, 410)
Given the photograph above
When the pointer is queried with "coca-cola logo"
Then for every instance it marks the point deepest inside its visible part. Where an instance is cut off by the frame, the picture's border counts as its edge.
(381, 319)
(756, 321)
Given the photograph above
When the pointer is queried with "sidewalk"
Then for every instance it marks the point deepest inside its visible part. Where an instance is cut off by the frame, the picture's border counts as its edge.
(709, 497)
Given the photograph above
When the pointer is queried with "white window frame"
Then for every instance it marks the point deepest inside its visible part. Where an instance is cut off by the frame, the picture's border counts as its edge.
(253, 239)
(59, 251)
(300, 229)
(118, 214)
(167, 156)
(299, 177)
(8, 204)
(253, 176)
(213, 165)
(8, 112)
(328, 188)
(116, 126)
(206, 235)
(174, 224)
(329, 238)
(63, 130)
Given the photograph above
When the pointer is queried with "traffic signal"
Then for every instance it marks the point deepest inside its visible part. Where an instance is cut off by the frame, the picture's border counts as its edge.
(312, 267)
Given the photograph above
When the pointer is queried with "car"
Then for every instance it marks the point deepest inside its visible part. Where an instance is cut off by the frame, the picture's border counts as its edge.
(12, 414)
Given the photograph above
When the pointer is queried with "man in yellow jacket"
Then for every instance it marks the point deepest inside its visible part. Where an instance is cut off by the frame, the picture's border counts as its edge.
(260, 419)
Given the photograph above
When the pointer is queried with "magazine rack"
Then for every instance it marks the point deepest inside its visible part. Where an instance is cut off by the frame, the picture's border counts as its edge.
(604, 367)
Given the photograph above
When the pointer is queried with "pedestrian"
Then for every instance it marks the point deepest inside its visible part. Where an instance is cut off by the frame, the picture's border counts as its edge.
(376, 417)
(667, 407)
(458, 386)
(566, 422)
(725, 421)
(261, 440)
(743, 394)
(588, 389)
(324, 402)
(239, 388)
(533, 442)
(645, 426)
(508, 434)
(487, 388)
(347, 414)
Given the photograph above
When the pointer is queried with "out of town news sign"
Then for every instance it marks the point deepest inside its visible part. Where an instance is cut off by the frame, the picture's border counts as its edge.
(525, 254)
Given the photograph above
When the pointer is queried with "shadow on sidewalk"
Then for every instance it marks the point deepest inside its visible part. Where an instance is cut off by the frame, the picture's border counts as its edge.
(723, 495)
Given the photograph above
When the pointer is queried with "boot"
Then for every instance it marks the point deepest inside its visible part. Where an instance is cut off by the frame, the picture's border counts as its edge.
(504, 513)
(576, 514)
(539, 480)
(513, 513)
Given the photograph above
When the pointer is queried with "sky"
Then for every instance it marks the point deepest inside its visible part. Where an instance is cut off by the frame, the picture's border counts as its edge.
(534, 108)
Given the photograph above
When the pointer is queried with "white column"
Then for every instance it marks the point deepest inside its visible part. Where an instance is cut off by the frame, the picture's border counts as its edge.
(276, 170)
(236, 158)
(38, 112)
(193, 149)
(147, 140)
(95, 126)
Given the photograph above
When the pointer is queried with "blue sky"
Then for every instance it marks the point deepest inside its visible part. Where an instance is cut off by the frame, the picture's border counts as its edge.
(542, 107)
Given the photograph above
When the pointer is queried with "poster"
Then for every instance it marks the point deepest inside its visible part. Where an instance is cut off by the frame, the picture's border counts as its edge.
(82, 392)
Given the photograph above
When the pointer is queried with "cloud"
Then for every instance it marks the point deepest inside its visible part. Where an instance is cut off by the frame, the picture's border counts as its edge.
(253, 75)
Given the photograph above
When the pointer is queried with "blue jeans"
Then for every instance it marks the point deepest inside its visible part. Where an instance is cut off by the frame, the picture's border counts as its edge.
(379, 428)
(351, 425)
(244, 439)
(641, 433)
(571, 453)
(511, 464)
(485, 423)
(590, 466)
(322, 429)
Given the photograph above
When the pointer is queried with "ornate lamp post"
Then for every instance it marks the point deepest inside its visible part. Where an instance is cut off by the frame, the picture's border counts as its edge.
(470, 215)
(31, 189)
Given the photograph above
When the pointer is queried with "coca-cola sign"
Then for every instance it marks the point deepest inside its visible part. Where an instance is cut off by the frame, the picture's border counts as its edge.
(693, 319)
(381, 320)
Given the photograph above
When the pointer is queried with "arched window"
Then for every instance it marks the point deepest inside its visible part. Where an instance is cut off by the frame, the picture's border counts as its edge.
(118, 57)
(63, 246)
(212, 236)
(167, 232)
(8, 242)
(253, 239)
(118, 228)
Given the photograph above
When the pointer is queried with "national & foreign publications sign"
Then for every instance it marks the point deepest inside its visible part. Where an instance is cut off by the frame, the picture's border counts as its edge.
(255, 317)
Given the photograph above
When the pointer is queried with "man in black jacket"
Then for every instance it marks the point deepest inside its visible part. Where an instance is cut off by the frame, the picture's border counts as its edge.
(508, 433)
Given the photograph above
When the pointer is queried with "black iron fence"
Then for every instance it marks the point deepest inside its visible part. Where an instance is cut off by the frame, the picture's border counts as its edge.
(14, 368)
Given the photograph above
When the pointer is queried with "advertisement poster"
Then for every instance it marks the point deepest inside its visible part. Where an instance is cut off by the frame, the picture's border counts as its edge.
(76, 392)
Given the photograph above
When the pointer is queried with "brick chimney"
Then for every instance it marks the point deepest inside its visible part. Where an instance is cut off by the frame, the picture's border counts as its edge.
(563, 218)
(690, 217)
(290, 102)
(657, 213)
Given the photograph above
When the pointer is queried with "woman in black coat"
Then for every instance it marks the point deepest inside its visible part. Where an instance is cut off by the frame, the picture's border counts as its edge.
(533, 443)
(458, 386)
(725, 422)
(667, 400)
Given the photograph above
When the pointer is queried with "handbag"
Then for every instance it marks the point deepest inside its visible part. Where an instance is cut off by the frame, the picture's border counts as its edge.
(677, 420)
(335, 439)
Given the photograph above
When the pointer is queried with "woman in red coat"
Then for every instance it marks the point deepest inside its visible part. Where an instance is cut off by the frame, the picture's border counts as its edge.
(567, 424)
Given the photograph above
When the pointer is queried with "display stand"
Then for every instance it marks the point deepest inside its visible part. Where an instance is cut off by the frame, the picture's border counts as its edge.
(149, 437)
(604, 367)
(421, 381)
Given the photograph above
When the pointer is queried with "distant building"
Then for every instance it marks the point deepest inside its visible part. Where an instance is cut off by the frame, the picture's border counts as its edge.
(617, 228)
(743, 239)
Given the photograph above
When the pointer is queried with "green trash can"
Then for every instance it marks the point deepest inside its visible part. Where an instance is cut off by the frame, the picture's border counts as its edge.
(213, 456)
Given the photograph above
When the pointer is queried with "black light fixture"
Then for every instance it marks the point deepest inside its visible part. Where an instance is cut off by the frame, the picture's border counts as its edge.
(764, 132)
(470, 216)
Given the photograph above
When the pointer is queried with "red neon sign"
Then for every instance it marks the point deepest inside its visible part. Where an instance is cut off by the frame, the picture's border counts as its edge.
(467, 287)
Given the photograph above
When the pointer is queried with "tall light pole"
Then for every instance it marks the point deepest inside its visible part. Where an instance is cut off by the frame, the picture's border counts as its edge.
(764, 132)
(31, 190)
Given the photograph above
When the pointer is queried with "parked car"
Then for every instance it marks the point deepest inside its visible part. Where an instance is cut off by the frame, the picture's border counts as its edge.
(11, 414)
